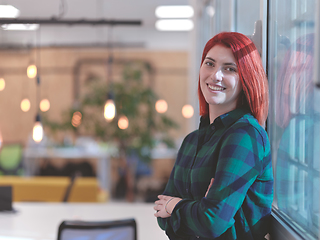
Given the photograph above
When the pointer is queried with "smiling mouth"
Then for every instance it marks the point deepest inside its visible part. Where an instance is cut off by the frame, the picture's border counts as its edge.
(215, 88)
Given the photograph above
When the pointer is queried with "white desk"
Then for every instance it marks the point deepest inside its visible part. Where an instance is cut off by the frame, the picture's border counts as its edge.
(30, 156)
(40, 221)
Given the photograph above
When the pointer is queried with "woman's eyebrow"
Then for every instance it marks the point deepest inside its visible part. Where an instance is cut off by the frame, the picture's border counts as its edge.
(210, 59)
(232, 64)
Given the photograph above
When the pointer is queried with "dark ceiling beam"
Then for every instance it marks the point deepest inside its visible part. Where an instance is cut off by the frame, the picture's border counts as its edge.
(7, 46)
(55, 21)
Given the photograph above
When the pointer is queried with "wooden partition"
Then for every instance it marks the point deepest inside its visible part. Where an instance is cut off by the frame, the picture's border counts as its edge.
(58, 81)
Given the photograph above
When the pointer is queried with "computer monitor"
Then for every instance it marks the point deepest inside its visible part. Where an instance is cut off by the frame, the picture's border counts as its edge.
(6, 198)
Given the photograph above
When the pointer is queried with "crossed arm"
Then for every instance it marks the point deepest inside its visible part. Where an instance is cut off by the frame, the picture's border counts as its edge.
(165, 205)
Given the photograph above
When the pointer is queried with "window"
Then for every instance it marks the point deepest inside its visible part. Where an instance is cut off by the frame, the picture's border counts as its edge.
(294, 118)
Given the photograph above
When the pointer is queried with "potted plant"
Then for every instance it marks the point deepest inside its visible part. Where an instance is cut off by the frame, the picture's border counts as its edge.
(135, 102)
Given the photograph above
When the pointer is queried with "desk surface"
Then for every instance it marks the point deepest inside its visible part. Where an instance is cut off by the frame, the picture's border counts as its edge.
(40, 221)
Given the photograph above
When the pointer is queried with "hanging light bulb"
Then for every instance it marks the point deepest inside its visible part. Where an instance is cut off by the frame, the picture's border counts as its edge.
(37, 133)
(32, 71)
(25, 105)
(2, 84)
(109, 108)
(187, 111)
(161, 106)
(123, 122)
(76, 119)
(44, 105)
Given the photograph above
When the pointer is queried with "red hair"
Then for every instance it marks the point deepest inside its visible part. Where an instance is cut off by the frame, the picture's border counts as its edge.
(252, 77)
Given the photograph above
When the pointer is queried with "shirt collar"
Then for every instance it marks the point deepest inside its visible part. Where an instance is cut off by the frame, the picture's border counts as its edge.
(224, 120)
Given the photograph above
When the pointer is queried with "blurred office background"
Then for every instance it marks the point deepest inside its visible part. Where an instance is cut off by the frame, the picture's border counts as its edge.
(89, 53)
(149, 72)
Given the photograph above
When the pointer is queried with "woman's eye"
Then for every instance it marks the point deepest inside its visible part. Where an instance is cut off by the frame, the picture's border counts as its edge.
(230, 69)
(209, 64)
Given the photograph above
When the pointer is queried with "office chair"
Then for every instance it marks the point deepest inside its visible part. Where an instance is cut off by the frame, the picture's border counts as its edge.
(125, 229)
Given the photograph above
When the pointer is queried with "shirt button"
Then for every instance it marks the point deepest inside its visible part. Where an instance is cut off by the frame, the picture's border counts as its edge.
(187, 190)
(197, 237)
(213, 128)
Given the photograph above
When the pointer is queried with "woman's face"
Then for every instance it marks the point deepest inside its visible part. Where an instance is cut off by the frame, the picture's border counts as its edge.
(219, 79)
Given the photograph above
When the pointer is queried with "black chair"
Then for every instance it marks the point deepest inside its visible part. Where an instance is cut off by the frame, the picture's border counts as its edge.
(125, 229)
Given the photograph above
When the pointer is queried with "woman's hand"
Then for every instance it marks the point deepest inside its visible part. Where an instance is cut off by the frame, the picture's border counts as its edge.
(211, 182)
(165, 205)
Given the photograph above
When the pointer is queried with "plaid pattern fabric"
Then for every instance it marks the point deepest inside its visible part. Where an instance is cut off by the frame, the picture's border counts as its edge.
(235, 151)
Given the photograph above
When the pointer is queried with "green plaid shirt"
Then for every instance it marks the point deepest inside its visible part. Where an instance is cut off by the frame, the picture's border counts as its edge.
(235, 151)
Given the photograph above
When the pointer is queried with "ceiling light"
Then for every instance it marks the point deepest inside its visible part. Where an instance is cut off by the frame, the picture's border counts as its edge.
(174, 12)
(8, 11)
(20, 27)
(174, 25)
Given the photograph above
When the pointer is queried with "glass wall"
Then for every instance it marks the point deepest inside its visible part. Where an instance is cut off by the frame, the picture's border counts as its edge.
(294, 118)
(245, 22)
(226, 15)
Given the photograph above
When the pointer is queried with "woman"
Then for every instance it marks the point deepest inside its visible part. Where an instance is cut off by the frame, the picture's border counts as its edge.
(221, 186)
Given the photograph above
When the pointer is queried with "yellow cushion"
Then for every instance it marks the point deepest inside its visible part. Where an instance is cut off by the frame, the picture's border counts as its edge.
(51, 189)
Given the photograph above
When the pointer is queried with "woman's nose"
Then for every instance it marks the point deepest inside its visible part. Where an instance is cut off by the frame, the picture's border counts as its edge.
(217, 75)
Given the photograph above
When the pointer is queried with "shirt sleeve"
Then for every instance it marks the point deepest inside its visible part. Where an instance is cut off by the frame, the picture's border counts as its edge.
(169, 191)
(239, 164)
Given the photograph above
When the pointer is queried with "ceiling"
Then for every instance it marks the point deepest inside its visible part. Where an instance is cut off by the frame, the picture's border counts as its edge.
(145, 36)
